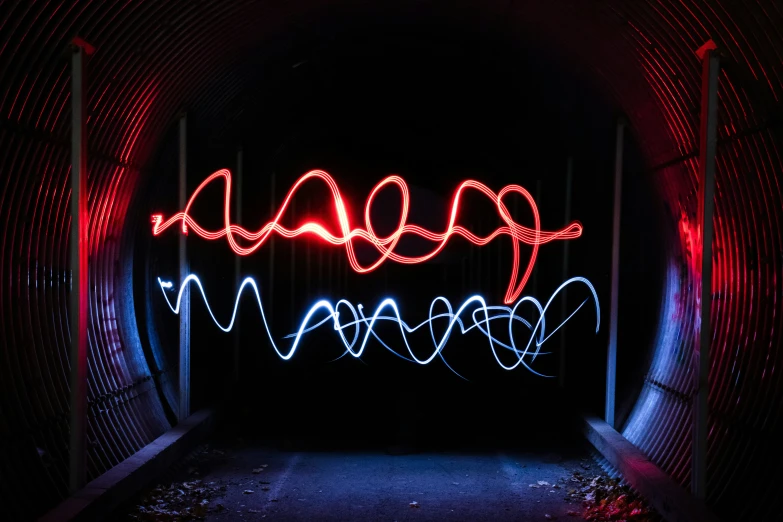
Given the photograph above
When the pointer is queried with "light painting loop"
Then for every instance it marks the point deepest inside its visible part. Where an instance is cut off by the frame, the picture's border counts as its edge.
(347, 234)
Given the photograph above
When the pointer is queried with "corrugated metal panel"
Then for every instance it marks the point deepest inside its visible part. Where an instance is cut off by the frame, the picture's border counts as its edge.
(156, 58)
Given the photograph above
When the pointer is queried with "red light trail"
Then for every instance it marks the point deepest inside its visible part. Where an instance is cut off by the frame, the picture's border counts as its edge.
(385, 245)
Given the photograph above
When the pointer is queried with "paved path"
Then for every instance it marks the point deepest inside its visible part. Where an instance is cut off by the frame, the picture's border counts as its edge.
(375, 486)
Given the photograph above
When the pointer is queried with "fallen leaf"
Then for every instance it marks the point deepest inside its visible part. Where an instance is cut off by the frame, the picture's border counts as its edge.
(414, 504)
(248, 491)
(543, 483)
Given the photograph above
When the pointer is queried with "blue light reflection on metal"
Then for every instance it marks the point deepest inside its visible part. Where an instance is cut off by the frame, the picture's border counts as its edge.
(481, 316)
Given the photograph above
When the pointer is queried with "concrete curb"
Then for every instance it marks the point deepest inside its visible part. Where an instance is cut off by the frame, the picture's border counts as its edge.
(98, 498)
(673, 502)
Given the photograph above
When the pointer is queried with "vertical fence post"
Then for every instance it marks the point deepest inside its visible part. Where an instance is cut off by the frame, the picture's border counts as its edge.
(238, 259)
(184, 312)
(611, 355)
(79, 252)
(564, 293)
(707, 149)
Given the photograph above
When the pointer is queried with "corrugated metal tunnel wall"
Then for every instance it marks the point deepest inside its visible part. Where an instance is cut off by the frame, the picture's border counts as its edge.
(156, 58)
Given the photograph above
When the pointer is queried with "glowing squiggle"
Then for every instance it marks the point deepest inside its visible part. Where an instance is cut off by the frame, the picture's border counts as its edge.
(385, 245)
(537, 330)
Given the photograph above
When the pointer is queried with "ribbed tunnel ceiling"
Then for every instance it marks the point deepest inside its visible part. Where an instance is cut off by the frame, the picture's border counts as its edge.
(156, 59)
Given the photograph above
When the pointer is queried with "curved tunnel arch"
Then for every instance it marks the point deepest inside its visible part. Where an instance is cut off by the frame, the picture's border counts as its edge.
(156, 59)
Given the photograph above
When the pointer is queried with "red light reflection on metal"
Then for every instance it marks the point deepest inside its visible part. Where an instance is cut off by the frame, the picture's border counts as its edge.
(385, 245)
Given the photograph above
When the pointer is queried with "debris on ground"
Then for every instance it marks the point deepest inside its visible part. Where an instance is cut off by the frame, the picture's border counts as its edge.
(414, 504)
(182, 501)
(606, 499)
(179, 501)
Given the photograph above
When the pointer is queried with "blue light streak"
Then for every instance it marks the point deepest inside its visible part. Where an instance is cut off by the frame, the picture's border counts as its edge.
(481, 315)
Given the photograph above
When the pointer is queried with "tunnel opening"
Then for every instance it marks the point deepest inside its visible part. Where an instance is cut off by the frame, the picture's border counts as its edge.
(502, 92)
(363, 98)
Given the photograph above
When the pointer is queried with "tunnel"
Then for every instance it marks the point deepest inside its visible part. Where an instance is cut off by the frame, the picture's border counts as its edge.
(540, 95)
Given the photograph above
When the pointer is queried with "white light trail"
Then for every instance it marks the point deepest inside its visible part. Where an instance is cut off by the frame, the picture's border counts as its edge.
(481, 316)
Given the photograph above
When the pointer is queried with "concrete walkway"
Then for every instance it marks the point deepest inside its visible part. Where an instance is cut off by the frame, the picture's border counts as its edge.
(375, 486)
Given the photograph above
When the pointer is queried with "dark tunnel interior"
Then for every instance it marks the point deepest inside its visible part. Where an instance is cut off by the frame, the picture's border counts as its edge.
(437, 107)
(503, 93)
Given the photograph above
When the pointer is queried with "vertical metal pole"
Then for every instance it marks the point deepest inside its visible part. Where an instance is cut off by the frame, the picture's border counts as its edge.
(79, 297)
(611, 356)
(707, 150)
(184, 312)
(238, 259)
(564, 296)
(271, 283)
